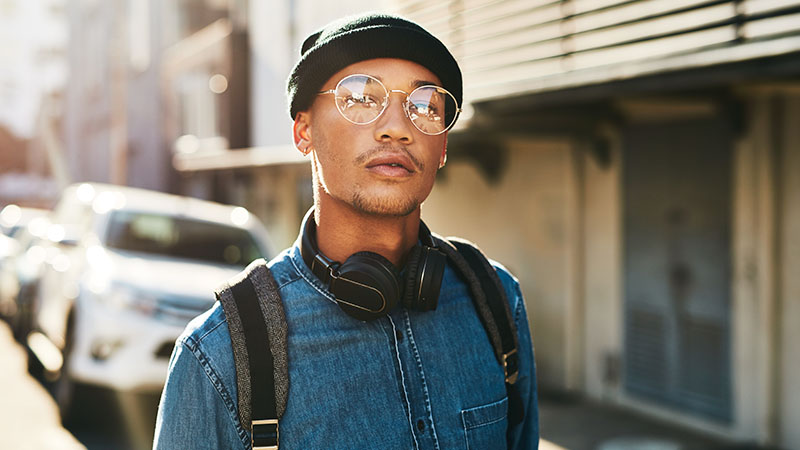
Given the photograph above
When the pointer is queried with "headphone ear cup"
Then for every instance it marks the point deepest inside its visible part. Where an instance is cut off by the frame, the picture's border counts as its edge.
(367, 286)
(427, 281)
(411, 282)
(371, 258)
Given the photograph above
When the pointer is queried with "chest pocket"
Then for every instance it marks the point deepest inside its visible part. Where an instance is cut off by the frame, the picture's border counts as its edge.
(485, 426)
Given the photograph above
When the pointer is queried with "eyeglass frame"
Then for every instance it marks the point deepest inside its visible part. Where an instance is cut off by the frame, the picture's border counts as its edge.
(386, 103)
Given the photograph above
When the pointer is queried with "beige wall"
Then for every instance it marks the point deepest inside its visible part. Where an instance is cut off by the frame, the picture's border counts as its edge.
(527, 222)
(790, 277)
(765, 310)
(766, 263)
(602, 286)
(751, 308)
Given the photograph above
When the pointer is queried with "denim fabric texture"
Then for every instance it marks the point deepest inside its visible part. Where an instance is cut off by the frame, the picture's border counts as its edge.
(410, 380)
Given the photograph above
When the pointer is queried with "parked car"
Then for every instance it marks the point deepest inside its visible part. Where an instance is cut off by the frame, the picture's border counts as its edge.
(14, 218)
(8, 250)
(132, 268)
(20, 271)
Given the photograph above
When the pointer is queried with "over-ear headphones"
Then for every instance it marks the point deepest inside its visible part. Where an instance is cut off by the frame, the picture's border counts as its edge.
(367, 285)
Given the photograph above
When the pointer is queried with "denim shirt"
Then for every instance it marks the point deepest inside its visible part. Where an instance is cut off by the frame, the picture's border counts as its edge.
(410, 380)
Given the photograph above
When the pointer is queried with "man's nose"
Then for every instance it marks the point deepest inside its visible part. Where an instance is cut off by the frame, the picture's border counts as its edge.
(394, 124)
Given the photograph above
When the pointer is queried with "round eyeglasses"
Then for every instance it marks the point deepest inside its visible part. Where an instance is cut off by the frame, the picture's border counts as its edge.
(361, 99)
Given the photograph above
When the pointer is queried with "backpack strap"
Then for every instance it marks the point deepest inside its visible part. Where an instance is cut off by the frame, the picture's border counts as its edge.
(491, 303)
(258, 330)
(256, 321)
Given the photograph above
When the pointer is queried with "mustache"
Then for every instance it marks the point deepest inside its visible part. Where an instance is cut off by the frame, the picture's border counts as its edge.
(388, 148)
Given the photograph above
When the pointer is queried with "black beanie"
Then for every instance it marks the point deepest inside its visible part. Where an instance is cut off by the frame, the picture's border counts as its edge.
(353, 39)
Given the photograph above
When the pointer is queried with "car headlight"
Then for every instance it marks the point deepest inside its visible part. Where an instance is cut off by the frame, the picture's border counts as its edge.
(123, 296)
(131, 298)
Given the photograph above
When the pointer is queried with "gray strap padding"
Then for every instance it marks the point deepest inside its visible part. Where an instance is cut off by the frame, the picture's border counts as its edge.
(490, 270)
(271, 306)
(479, 297)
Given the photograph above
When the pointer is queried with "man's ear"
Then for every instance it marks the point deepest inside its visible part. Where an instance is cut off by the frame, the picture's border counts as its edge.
(301, 132)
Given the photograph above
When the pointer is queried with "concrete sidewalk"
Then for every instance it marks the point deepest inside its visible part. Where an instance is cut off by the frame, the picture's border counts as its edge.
(28, 415)
(576, 424)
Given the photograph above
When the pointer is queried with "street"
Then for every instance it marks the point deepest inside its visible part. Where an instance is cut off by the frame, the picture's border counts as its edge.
(29, 417)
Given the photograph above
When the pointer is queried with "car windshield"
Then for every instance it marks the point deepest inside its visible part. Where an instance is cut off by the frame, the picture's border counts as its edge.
(181, 238)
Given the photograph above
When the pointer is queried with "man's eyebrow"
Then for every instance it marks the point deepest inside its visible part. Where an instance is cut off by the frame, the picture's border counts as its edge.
(418, 83)
(414, 83)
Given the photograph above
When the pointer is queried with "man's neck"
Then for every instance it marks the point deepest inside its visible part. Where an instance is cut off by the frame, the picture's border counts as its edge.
(343, 231)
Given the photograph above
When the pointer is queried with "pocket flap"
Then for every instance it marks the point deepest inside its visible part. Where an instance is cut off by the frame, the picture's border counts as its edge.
(485, 414)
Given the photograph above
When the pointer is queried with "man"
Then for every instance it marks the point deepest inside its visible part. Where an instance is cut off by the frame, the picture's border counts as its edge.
(372, 99)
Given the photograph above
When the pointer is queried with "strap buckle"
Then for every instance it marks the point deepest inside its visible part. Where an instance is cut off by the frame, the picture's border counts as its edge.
(511, 366)
(264, 434)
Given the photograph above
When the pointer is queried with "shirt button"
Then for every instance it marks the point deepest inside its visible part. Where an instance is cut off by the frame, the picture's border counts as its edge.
(399, 335)
(421, 425)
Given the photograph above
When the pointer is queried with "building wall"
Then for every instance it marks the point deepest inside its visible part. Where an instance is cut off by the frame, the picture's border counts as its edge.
(87, 137)
(750, 315)
(765, 289)
(147, 159)
(789, 280)
(527, 221)
(272, 53)
(602, 241)
(32, 60)
(767, 248)
(113, 115)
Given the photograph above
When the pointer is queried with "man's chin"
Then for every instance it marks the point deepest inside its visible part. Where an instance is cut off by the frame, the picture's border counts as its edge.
(383, 206)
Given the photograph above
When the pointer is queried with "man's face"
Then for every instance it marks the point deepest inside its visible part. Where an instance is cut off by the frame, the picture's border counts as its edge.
(386, 167)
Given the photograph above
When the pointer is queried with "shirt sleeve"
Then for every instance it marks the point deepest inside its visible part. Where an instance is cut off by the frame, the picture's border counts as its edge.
(192, 412)
(526, 434)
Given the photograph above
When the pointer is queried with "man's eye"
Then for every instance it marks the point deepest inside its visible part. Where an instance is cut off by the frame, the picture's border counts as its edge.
(426, 110)
(364, 100)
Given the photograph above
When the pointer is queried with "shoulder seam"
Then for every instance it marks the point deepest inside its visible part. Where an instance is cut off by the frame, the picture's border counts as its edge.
(283, 277)
(212, 329)
(288, 282)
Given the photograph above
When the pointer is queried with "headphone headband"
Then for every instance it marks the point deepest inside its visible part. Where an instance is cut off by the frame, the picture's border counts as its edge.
(367, 285)
(320, 264)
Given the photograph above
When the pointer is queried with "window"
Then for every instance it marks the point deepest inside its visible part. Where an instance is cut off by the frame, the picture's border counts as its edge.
(181, 238)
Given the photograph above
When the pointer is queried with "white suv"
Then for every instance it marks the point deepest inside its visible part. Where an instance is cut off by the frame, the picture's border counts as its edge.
(128, 269)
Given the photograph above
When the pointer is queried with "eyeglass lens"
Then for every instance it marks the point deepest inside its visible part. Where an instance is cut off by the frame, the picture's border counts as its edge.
(361, 99)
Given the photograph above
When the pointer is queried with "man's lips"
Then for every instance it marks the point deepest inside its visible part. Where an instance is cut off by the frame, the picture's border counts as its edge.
(393, 164)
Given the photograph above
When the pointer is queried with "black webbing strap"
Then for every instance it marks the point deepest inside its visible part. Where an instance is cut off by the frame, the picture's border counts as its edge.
(247, 326)
(496, 299)
(264, 427)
